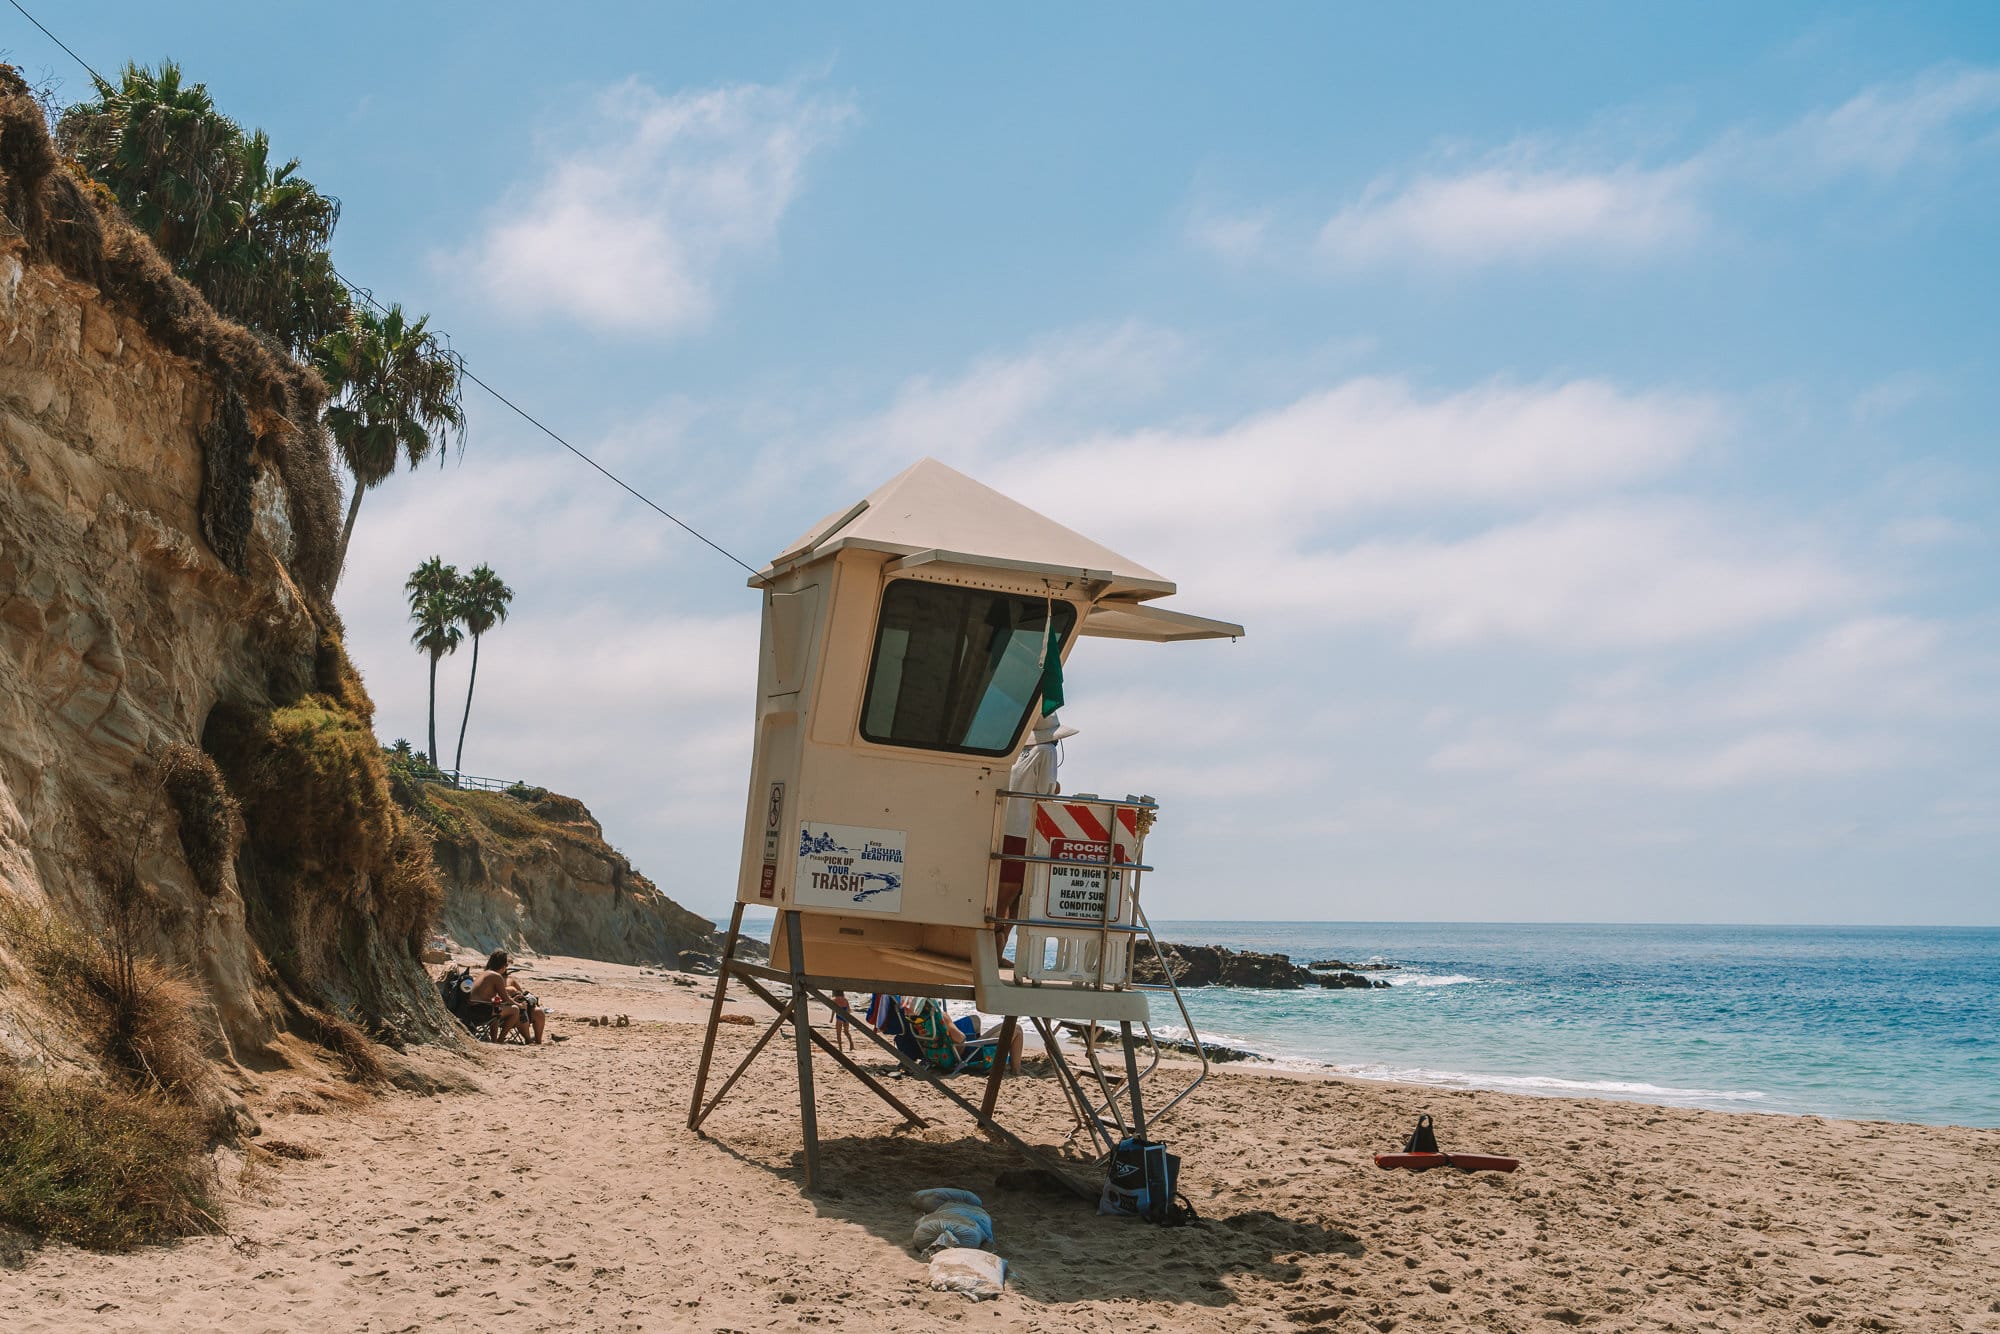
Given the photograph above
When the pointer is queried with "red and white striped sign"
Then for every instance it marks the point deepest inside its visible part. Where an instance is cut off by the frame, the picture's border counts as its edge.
(1075, 831)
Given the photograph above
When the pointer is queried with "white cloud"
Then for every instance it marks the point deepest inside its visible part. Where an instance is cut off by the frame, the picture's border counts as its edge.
(1532, 200)
(1627, 575)
(1376, 444)
(634, 228)
(1891, 127)
(1501, 213)
(1236, 237)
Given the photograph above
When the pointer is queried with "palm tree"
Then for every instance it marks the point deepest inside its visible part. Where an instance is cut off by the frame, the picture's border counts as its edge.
(163, 149)
(396, 396)
(482, 604)
(252, 239)
(434, 608)
(267, 265)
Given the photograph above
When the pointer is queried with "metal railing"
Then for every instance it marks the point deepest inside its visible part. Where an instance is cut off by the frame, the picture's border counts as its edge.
(1112, 870)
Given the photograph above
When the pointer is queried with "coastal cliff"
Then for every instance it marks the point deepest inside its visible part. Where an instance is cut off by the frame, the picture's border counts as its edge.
(186, 760)
(530, 871)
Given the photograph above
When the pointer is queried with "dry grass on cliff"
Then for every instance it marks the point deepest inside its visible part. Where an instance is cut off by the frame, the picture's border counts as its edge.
(211, 821)
(136, 1015)
(504, 817)
(113, 1164)
(99, 1166)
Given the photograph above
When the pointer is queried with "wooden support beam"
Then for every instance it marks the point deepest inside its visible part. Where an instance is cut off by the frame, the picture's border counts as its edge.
(1132, 1079)
(694, 1122)
(714, 1019)
(845, 1062)
(986, 1123)
(1002, 1053)
(802, 1028)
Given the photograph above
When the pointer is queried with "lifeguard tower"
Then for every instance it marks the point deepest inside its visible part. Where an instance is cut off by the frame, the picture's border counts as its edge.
(910, 641)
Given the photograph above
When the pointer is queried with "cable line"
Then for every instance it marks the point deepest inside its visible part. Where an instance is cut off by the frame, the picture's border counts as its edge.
(58, 41)
(528, 417)
(458, 361)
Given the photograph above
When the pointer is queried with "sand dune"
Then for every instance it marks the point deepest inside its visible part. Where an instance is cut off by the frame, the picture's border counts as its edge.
(569, 1195)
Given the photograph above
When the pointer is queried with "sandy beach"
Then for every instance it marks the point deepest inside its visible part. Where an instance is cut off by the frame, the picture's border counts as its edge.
(569, 1195)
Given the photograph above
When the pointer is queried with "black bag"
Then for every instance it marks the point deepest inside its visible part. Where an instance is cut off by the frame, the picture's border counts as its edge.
(1143, 1180)
(1422, 1139)
(454, 989)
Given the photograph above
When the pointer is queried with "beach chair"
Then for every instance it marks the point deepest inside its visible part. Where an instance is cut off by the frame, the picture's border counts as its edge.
(931, 1028)
(885, 1015)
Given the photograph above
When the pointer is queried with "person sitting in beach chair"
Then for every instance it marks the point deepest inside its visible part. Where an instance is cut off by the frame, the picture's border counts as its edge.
(958, 1048)
(530, 1018)
(491, 1009)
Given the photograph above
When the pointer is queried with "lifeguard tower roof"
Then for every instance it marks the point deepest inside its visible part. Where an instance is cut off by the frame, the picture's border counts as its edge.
(931, 513)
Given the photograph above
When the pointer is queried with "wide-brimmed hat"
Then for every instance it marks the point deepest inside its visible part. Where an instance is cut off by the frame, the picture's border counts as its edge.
(1051, 729)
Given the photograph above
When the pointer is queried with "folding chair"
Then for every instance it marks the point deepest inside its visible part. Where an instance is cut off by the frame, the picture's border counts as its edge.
(931, 1027)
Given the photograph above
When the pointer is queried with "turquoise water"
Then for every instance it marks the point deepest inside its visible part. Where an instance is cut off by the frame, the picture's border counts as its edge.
(1882, 1023)
(1857, 1022)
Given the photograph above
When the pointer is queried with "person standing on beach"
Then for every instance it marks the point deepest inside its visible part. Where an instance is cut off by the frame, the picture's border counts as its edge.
(843, 1016)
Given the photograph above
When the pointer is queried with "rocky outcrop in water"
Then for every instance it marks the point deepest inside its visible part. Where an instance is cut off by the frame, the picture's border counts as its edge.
(1216, 966)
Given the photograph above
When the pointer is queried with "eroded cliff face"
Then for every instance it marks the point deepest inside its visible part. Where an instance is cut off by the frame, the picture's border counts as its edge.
(535, 874)
(166, 510)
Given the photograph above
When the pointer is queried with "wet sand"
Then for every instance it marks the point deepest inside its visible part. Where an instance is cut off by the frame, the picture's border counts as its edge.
(570, 1195)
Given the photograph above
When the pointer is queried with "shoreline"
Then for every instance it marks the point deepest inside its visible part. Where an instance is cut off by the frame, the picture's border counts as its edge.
(569, 1194)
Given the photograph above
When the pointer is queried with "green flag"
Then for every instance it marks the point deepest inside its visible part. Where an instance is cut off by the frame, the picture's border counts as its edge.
(1052, 692)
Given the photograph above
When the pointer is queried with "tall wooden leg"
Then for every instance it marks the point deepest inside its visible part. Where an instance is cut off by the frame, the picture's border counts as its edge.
(1002, 1053)
(748, 1057)
(714, 1017)
(802, 1029)
(1132, 1079)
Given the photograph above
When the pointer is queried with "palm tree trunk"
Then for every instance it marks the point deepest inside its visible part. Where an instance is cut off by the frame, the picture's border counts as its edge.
(434, 710)
(347, 529)
(458, 760)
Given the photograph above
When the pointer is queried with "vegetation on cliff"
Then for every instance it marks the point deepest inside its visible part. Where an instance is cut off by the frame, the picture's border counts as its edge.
(528, 869)
(254, 239)
(338, 884)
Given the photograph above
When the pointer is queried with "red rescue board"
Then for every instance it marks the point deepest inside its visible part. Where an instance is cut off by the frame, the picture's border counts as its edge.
(1482, 1162)
(1464, 1162)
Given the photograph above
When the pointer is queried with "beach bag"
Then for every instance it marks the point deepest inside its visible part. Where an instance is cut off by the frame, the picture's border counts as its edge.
(1422, 1139)
(455, 990)
(1142, 1180)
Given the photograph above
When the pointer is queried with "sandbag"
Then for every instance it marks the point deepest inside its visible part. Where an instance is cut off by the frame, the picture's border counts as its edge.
(938, 1196)
(980, 1275)
(964, 1225)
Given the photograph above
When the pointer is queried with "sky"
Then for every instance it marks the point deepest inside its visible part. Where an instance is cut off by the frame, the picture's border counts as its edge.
(1588, 410)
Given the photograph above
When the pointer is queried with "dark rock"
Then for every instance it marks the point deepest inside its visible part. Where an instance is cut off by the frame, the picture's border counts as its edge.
(1346, 980)
(1336, 966)
(1215, 1051)
(1215, 966)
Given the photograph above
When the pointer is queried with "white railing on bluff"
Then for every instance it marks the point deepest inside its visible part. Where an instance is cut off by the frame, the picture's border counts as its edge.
(483, 784)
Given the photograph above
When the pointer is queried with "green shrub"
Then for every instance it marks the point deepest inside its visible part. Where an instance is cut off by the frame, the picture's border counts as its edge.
(101, 1167)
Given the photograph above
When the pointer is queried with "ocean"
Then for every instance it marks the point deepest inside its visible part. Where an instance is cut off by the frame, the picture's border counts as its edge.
(1869, 1023)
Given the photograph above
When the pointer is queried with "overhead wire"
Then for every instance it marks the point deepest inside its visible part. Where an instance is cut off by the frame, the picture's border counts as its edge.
(458, 362)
